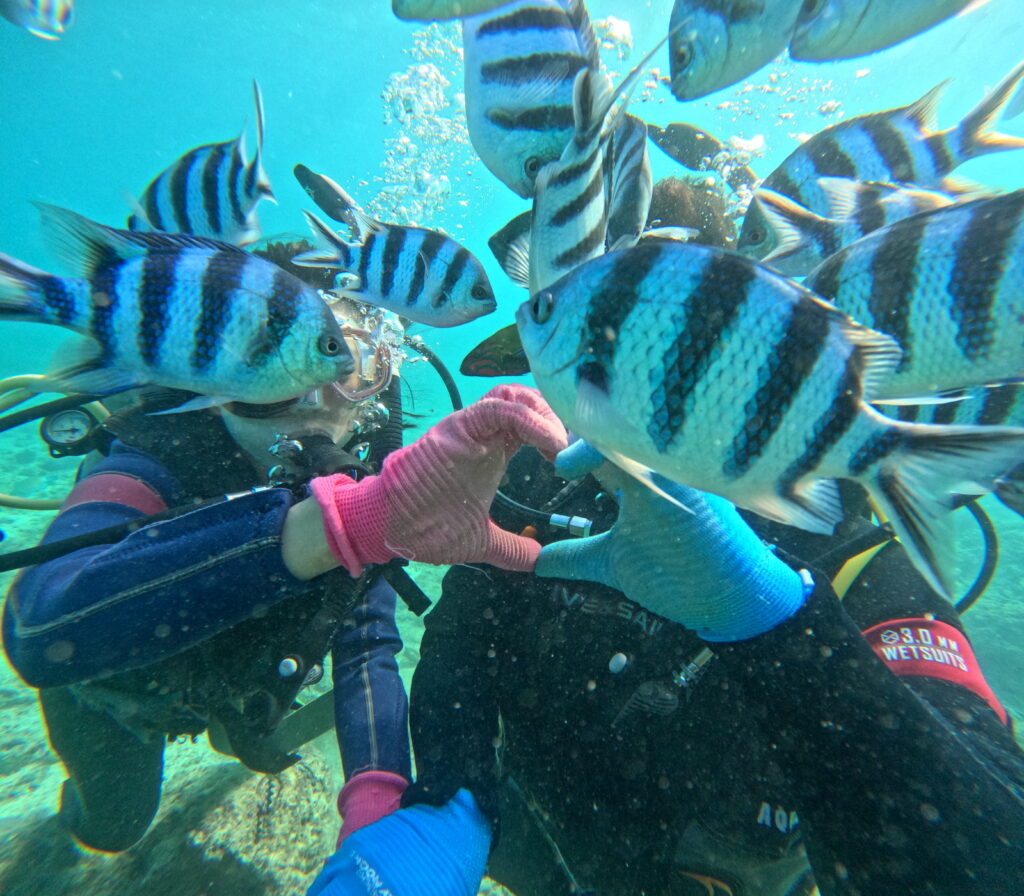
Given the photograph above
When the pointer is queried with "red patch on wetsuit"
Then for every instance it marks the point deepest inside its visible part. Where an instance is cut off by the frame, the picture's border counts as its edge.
(933, 649)
(115, 488)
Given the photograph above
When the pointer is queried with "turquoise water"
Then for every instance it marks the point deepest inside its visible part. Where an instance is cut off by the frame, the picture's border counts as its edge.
(88, 121)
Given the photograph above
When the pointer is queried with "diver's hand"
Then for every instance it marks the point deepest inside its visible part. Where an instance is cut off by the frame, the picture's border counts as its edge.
(419, 851)
(698, 564)
(431, 500)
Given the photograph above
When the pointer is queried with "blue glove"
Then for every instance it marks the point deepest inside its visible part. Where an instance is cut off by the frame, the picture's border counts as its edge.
(428, 850)
(698, 564)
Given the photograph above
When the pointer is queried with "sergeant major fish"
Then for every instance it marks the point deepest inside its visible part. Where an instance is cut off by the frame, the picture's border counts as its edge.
(47, 19)
(520, 65)
(803, 239)
(948, 286)
(177, 311)
(707, 368)
(420, 274)
(717, 43)
(441, 10)
(896, 146)
(573, 195)
(843, 29)
(211, 191)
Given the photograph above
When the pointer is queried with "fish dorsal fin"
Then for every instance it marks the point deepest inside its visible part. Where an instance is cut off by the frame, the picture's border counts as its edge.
(791, 223)
(86, 246)
(579, 18)
(604, 117)
(923, 111)
(258, 98)
(260, 181)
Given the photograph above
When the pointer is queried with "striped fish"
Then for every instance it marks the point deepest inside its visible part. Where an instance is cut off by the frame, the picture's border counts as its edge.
(897, 146)
(717, 43)
(716, 372)
(626, 202)
(177, 311)
(47, 19)
(802, 240)
(520, 65)
(441, 10)
(843, 29)
(211, 191)
(420, 274)
(948, 286)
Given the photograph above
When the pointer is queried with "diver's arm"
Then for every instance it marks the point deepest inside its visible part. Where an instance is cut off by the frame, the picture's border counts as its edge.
(893, 795)
(159, 591)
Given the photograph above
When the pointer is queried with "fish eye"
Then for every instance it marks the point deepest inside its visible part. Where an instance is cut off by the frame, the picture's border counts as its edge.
(331, 345)
(532, 166)
(756, 236)
(480, 292)
(811, 8)
(683, 56)
(541, 307)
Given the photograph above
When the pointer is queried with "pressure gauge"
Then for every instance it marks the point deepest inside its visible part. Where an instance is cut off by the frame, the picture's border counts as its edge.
(68, 432)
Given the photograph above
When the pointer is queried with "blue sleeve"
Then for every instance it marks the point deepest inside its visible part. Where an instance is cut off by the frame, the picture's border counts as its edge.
(161, 590)
(370, 705)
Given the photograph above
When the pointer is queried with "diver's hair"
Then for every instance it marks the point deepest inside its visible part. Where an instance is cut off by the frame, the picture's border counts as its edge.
(281, 253)
(681, 202)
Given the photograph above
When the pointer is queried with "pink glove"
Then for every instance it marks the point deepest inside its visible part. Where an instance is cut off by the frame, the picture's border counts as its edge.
(431, 500)
(368, 797)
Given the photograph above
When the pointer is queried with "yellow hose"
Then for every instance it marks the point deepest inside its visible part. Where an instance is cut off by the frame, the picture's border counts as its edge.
(19, 503)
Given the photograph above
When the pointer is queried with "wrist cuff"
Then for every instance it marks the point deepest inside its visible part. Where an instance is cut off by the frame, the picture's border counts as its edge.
(368, 797)
(355, 519)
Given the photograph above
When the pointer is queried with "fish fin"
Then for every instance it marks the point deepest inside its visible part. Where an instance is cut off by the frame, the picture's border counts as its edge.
(790, 221)
(261, 182)
(20, 295)
(669, 232)
(85, 245)
(971, 134)
(843, 195)
(880, 354)
(91, 376)
(947, 397)
(606, 115)
(644, 475)
(138, 219)
(594, 413)
(963, 188)
(543, 83)
(199, 403)
(332, 251)
(1015, 106)
(814, 506)
(515, 233)
(332, 199)
(915, 486)
(517, 260)
(923, 111)
(576, 10)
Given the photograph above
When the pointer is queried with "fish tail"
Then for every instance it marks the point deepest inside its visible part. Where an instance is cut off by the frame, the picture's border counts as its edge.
(22, 296)
(914, 473)
(972, 135)
(332, 251)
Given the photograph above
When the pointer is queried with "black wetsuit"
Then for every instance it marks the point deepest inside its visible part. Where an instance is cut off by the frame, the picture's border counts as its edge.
(792, 751)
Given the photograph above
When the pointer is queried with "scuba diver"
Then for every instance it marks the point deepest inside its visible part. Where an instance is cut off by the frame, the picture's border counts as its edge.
(220, 596)
(827, 731)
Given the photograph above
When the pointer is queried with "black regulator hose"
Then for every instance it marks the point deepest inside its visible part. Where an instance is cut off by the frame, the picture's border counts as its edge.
(442, 371)
(989, 562)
